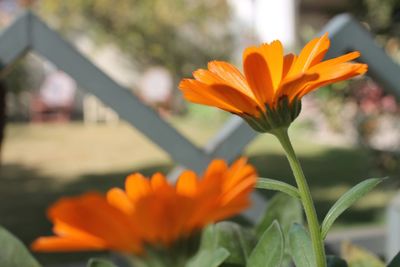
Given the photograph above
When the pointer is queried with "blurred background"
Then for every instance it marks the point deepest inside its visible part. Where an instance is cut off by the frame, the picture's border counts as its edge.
(60, 140)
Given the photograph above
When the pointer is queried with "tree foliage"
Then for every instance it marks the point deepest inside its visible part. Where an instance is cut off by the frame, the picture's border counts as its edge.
(177, 34)
(383, 16)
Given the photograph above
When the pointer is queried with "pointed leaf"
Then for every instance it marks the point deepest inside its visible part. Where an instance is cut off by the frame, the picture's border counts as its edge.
(100, 263)
(270, 184)
(346, 200)
(283, 208)
(395, 262)
(209, 238)
(269, 249)
(238, 241)
(334, 261)
(286, 210)
(301, 247)
(209, 258)
(13, 253)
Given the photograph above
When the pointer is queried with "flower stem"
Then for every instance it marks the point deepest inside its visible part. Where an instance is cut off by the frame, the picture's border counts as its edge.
(305, 194)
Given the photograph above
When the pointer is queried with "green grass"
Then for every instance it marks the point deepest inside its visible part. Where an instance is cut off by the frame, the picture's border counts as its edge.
(43, 162)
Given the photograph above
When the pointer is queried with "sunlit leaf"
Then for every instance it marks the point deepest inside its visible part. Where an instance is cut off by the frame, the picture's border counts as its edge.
(13, 253)
(346, 200)
(358, 257)
(269, 249)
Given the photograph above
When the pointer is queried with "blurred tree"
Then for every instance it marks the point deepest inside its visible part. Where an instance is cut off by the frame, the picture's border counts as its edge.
(17, 78)
(14, 81)
(177, 34)
(383, 16)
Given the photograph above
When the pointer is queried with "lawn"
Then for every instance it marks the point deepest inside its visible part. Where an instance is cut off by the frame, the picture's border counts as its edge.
(43, 162)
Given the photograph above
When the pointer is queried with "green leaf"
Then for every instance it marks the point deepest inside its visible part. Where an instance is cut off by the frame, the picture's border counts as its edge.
(209, 258)
(286, 210)
(237, 240)
(345, 201)
(301, 247)
(100, 263)
(334, 261)
(269, 249)
(283, 208)
(270, 184)
(395, 262)
(13, 253)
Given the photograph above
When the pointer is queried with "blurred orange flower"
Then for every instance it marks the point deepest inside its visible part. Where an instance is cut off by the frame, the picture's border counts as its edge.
(271, 81)
(149, 211)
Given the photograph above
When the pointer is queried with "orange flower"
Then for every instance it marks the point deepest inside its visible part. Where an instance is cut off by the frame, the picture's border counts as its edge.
(149, 211)
(167, 213)
(268, 95)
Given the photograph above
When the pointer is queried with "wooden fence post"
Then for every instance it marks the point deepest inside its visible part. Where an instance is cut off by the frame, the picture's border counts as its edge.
(393, 228)
(3, 92)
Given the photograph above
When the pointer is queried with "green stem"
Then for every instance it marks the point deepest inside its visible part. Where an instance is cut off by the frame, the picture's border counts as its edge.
(305, 194)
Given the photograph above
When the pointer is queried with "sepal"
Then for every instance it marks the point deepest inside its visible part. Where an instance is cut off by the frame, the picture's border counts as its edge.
(279, 116)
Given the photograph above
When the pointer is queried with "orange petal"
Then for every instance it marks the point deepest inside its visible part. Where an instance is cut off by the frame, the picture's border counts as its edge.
(91, 213)
(62, 229)
(207, 77)
(231, 76)
(339, 72)
(201, 213)
(221, 96)
(65, 244)
(216, 168)
(162, 216)
(212, 182)
(158, 180)
(273, 55)
(258, 76)
(136, 186)
(312, 53)
(330, 63)
(228, 211)
(200, 93)
(238, 172)
(187, 184)
(288, 61)
(239, 180)
(292, 87)
(244, 186)
(146, 210)
(119, 199)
